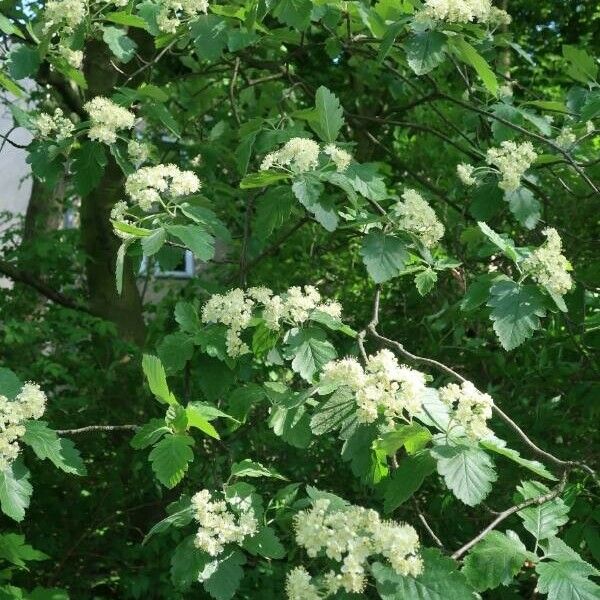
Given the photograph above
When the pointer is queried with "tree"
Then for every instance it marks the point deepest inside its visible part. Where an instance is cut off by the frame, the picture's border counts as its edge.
(392, 207)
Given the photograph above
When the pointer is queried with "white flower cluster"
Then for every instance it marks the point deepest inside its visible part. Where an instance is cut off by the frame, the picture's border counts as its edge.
(382, 385)
(566, 138)
(30, 403)
(548, 266)
(56, 125)
(64, 15)
(234, 309)
(107, 118)
(73, 57)
(464, 11)
(138, 152)
(350, 536)
(472, 408)
(219, 524)
(417, 217)
(146, 185)
(465, 173)
(511, 160)
(173, 11)
(299, 155)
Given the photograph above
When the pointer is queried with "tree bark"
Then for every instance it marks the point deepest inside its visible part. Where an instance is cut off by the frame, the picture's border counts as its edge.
(97, 237)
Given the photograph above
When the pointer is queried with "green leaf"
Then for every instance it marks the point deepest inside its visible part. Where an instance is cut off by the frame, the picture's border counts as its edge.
(295, 13)
(8, 84)
(197, 419)
(544, 520)
(180, 515)
(15, 490)
(487, 200)
(250, 468)
(124, 18)
(516, 311)
(10, 384)
(330, 115)
(122, 46)
(309, 350)
(478, 292)
(582, 66)
(413, 437)
(149, 434)
(89, 161)
(119, 265)
(187, 562)
(262, 179)
(23, 61)
(524, 206)
(566, 580)
(14, 549)
(222, 577)
(157, 379)
(440, 580)
(383, 255)
(309, 190)
(209, 33)
(46, 444)
(425, 51)
(533, 465)
(10, 28)
(406, 479)
(365, 181)
(506, 245)
(338, 412)
(495, 560)
(161, 114)
(591, 108)
(175, 350)
(170, 458)
(292, 424)
(468, 472)
(187, 317)
(425, 280)
(323, 318)
(196, 238)
(468, 54)
(266, 543)
(152, 243)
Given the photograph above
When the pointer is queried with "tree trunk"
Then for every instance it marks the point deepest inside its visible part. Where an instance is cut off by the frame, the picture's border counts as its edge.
(97, 237)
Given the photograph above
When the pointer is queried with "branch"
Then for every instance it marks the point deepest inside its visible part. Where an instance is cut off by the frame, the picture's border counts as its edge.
(41, 287)
(91, 428)
(537, 501)
(372, 329)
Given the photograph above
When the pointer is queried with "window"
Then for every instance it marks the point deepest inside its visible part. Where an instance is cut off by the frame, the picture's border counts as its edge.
(182, 269)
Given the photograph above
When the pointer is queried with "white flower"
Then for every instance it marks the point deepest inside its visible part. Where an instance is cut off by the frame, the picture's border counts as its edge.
(172, 12)
(472, 408)
(118, 211)
(511, 160)
(417, 217)
(107, 118)
(65, 15)
(566, 138)
(235, 309)
(30, 403)
(589, 127)
(147, 184)
(340, 157)
(463, 11)
(219, 524)
(138, 151)
(298, 585)
(465, 174)
(73, 57)
(382, 387)
(548, 266)
(299, 154)
(57, 124)
(350, 536)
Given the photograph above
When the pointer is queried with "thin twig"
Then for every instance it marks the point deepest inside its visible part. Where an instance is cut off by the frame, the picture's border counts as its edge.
(423, 520)
(232, 84)
(91, 428)
(537, 501)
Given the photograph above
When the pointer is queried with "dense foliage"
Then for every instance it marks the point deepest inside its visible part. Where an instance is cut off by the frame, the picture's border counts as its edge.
(380, 381)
